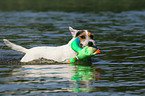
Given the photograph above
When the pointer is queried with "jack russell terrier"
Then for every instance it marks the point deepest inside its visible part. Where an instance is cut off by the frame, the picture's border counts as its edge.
(59, 54)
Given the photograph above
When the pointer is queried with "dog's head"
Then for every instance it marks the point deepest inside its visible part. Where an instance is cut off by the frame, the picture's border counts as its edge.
(86, 38)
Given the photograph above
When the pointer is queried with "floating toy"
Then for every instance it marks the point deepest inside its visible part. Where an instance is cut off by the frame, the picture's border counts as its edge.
(82, 52)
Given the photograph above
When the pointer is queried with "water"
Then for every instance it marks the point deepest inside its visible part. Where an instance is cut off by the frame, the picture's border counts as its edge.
(117, 71)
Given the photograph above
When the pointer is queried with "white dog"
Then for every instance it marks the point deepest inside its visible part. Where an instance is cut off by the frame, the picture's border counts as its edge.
(60, 54)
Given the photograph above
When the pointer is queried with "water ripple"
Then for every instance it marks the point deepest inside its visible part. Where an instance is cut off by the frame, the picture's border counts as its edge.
(119, 69)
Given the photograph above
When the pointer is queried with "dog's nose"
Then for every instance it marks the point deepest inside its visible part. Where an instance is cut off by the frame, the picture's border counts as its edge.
(90, 43)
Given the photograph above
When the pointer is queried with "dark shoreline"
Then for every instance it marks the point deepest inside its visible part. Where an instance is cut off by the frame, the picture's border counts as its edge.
(72, 5)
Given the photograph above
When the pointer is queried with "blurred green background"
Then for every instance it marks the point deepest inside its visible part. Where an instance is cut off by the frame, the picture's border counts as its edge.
(72, 5)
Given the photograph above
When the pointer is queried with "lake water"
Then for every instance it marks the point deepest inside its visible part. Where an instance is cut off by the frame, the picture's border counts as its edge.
(118, 71)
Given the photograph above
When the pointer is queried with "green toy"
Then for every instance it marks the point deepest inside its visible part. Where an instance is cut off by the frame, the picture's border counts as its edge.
(82, 52)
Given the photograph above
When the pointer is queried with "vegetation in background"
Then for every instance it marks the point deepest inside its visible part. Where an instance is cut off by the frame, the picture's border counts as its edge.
(72, 5)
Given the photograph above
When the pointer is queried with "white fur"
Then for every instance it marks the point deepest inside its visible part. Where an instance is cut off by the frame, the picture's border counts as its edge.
(15, 47)
(60, 54)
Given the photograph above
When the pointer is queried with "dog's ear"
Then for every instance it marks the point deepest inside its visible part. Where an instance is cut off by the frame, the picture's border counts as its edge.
(73, 31)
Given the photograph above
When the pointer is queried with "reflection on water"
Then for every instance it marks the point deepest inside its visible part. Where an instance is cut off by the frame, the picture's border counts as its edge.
(72, 79)
(83, 77)
(48, 78)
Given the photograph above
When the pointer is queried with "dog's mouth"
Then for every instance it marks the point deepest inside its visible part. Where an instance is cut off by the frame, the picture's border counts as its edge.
(81, 45)
(90, 44)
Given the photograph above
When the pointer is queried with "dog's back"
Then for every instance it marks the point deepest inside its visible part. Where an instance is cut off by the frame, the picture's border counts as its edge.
(59, 54)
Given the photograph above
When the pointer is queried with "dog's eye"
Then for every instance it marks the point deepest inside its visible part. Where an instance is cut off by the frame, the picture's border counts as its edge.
(83, 37)
(92, 36)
